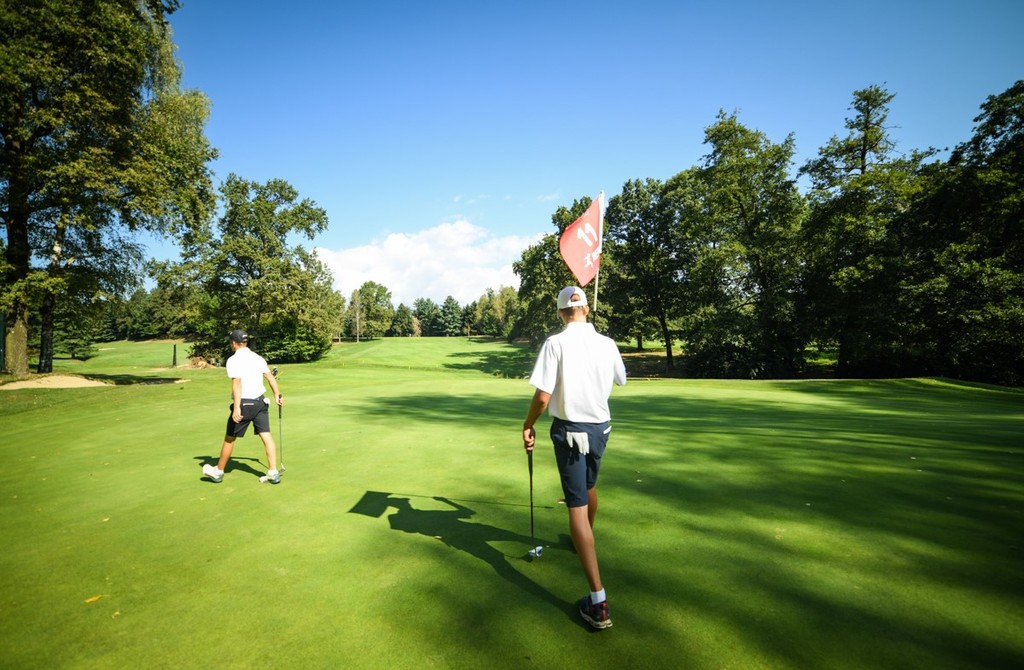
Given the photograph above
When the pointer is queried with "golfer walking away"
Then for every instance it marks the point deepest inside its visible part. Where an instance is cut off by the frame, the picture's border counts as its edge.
(247, 370)
(573, 378)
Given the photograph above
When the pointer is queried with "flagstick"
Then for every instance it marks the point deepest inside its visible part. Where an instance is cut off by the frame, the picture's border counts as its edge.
(600, 240)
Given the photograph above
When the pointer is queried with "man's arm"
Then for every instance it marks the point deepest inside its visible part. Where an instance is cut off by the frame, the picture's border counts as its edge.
(272, 380)
(620, 370)
(236, 398)
(537, 406)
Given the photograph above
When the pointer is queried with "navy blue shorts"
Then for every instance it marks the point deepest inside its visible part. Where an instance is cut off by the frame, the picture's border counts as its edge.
(578, 473)
(254, 411)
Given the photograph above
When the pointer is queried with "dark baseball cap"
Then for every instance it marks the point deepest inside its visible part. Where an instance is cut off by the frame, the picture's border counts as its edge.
(240, 336)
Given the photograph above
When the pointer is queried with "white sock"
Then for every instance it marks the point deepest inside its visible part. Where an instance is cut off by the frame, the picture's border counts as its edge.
(597, 597)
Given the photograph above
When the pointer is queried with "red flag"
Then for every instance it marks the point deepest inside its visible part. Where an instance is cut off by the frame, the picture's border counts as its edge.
(580, 243)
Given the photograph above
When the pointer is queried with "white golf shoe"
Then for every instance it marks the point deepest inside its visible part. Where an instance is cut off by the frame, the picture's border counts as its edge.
(213, 472)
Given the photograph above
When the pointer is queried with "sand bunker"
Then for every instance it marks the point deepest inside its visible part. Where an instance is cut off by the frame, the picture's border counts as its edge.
(51, 382)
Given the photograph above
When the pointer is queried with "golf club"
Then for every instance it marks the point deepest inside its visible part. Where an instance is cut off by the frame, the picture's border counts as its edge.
(280, 437)
(538, 550)
(280, 431)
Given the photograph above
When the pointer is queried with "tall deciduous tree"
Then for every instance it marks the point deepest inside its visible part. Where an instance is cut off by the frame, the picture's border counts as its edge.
(963, 287)
(494, 312)
(98, 140)
(645, 285)
(246, 275)
(371, 313)
(302, 326)
(861, 189)
(755, 210)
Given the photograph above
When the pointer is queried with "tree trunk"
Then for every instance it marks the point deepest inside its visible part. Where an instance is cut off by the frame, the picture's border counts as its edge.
(19, 261)
(17, 255)
(49, 302)
(46, 333)
(16, 342)
(844, 356)
(669, 363)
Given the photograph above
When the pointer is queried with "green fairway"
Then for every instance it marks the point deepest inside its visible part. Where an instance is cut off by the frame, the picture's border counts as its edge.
(797, 524)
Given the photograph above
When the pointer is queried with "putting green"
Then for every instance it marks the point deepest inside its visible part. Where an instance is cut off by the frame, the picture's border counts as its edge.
(839, 524)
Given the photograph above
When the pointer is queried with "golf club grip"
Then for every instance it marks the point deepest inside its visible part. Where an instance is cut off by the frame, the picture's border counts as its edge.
(529, 464)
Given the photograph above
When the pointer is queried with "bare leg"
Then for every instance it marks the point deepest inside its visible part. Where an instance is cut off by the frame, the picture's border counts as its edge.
(268, 444)
(592, 505)
(225, 452)
(582, 533)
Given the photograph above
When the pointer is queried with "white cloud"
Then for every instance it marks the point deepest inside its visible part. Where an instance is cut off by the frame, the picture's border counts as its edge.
(456, 259)
(473, 200)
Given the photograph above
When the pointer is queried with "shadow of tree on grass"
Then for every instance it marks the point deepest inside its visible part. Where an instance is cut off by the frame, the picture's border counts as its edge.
(513, 361)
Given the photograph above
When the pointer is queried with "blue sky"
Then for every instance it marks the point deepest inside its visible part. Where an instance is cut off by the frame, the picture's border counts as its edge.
(441, 136)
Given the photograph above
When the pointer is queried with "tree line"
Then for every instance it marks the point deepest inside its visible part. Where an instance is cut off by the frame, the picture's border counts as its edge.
(368, 314)
(895, 263)
(900, 264)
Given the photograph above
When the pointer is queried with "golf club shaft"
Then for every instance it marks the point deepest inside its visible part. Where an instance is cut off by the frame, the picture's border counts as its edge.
(280, 437)
(529, 461)
(280, 429)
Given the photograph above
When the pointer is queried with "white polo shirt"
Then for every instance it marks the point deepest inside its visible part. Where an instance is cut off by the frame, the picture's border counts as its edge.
(247, 365)
(578, 367)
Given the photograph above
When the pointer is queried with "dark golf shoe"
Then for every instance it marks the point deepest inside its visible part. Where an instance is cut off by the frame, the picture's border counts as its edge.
(595, 615)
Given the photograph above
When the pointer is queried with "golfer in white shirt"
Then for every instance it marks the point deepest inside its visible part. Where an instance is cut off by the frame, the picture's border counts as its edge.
(247, 370)
(573, 378)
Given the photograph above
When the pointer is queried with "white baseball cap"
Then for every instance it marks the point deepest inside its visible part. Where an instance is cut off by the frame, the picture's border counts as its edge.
(565, 297)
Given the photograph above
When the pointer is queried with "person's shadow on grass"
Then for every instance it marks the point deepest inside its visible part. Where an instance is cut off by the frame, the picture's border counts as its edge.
(235, 463)
(450, 526)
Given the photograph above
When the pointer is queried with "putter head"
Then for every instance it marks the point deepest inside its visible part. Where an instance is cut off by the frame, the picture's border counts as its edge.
(537, 551)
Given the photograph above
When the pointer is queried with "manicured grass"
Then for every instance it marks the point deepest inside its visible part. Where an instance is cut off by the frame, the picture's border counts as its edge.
(808, 524)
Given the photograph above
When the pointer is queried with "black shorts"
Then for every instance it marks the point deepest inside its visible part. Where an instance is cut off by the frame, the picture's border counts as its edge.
(254, 411)
(579, 474)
